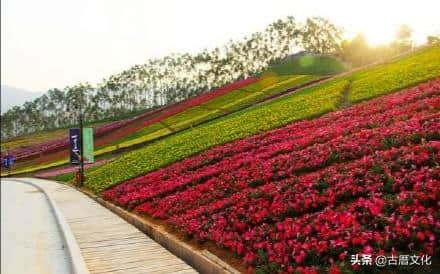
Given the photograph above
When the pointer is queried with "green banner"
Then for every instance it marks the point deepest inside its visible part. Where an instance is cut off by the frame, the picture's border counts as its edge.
(89, 156)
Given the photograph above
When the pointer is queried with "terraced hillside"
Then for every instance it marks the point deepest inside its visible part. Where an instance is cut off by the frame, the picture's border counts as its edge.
(306, 196)
(308, 103)
(290, 179)
(210, 109)
(170, 120)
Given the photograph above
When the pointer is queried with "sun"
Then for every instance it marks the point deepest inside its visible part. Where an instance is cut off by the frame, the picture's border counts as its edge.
(380, 35)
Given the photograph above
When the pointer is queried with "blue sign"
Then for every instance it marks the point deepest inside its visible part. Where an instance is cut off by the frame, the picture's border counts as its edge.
(75, 145)
(8, 161)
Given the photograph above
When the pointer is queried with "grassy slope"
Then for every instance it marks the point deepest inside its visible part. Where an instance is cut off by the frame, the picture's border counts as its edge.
(308, 103)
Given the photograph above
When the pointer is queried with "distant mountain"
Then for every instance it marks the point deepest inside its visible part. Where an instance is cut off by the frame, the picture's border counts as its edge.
(11, 96)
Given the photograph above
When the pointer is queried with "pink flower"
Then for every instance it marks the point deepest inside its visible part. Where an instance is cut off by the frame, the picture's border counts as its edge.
(368, 250)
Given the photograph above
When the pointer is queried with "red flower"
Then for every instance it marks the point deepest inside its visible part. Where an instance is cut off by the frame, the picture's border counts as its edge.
(250, 257)
(421, 236)
(342, 256)
(334, 270)
(300, 257)
(239, 248)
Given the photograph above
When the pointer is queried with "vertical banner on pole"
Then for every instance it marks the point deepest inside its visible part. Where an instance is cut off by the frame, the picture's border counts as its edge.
(89, 156)
(75, 144)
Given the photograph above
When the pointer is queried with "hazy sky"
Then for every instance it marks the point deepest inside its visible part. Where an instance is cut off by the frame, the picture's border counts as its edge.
(54, 43)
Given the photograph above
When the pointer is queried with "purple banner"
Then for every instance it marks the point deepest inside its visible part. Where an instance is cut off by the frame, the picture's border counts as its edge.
(75, 145)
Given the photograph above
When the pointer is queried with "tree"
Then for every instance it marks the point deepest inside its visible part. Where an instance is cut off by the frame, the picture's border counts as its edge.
(175, 77)
(319, 35)
(357, 51)
(402, 41)
(433, 39)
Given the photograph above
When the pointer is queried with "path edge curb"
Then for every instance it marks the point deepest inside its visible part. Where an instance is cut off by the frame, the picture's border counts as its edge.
(202, 260)
(77, 260)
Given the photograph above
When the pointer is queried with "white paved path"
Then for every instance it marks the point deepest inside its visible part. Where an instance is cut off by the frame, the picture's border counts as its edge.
(107, 242)
(30, 239)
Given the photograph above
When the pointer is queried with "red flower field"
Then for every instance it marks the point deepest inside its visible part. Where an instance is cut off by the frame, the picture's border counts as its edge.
(307, 196)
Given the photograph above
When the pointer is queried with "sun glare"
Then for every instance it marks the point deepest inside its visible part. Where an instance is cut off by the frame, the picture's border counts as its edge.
(379, 36)
(379, 22)
(376, 33)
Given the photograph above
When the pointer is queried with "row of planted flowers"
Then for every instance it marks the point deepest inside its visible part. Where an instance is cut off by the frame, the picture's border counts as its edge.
(311, 193)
